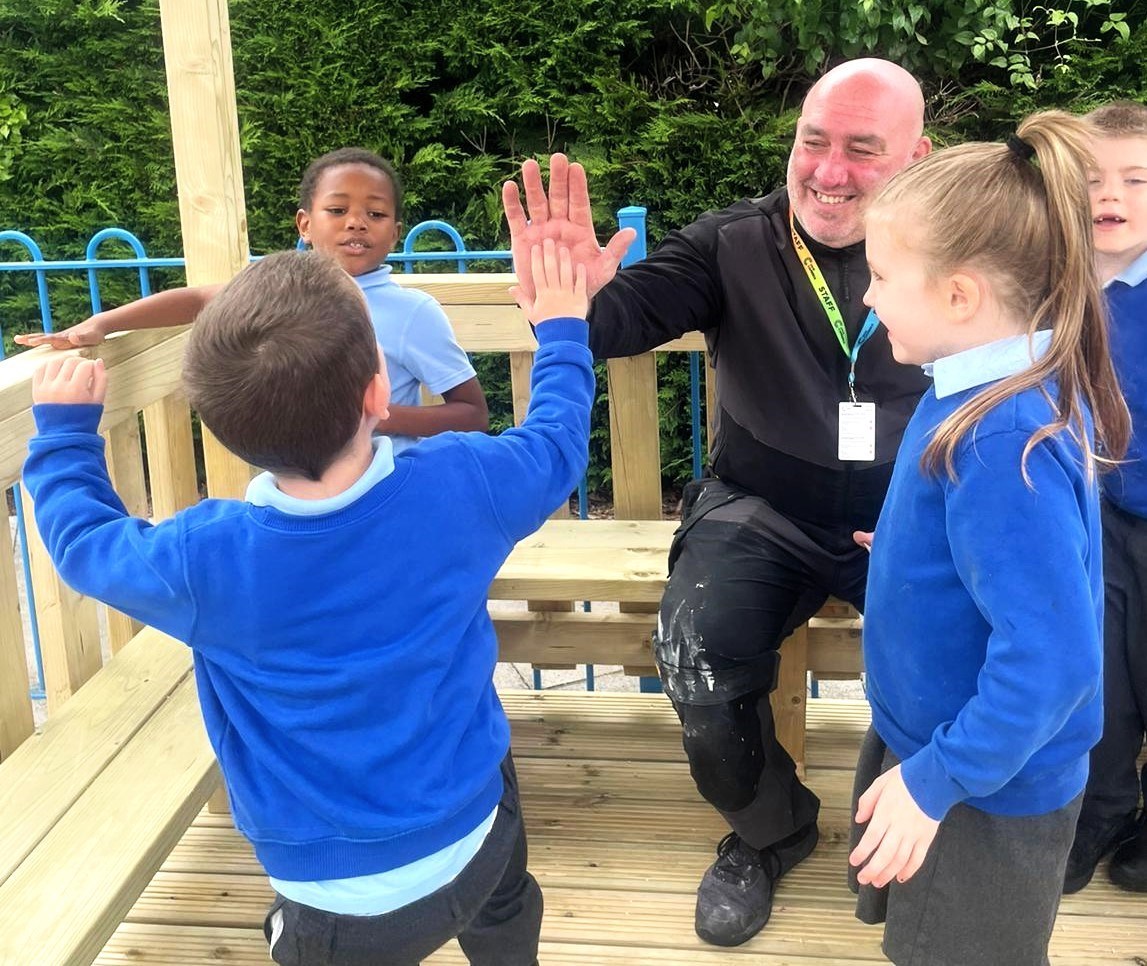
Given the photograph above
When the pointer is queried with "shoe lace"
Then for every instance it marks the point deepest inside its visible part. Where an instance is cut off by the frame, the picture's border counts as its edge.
(735, 857)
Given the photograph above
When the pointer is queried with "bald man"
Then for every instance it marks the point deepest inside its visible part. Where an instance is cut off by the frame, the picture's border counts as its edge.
(810, 410)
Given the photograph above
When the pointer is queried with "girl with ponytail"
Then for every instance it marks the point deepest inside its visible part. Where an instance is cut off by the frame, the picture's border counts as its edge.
(983, 624)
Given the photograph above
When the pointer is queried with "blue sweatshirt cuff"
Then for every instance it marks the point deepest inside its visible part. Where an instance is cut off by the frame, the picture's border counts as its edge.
(568, 329)
(929, 784)
(67, 417)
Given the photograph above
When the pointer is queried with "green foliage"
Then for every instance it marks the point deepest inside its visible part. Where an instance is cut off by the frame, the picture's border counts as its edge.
(677, 105)
(998, 40)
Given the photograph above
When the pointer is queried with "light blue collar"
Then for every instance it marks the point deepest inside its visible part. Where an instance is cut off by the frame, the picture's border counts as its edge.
(377, 276)
(1133, 274)
(262, 490)
(986, 363)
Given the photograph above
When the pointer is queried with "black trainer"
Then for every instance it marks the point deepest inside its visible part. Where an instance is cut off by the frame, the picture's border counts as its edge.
(1129, 863)
(735, 898)
(1091, 844)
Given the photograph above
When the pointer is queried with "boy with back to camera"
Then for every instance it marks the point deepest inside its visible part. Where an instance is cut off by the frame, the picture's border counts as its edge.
(1111, 819)
(364, 748)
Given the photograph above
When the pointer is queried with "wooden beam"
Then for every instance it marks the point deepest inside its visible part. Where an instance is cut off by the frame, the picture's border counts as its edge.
(788, 699)
(69, 895)
(47, 774)
(205, 137)
(635, 449)
(15, 706)
(208, 169)
(170, 455)
(68, 622)
(554, 637)
(125, 465)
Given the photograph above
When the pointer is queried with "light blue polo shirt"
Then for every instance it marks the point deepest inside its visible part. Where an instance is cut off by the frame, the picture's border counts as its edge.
(417, 342)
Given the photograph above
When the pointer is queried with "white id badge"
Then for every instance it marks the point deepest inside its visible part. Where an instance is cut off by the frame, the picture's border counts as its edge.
(857, 437)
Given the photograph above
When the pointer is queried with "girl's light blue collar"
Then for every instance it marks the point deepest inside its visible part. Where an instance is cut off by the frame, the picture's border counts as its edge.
(986, 363)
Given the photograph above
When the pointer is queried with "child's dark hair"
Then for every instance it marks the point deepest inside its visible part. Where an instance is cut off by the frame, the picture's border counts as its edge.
(278, 362)
(333, 159)
(1020, 215)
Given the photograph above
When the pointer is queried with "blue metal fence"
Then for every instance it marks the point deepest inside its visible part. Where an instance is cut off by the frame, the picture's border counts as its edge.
(92, 265)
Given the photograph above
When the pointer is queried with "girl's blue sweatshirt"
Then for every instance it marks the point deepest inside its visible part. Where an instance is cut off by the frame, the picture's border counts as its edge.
(983, 618)
(344, 661)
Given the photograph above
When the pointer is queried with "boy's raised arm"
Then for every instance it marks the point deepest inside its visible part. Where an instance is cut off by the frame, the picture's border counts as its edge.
(177, 306)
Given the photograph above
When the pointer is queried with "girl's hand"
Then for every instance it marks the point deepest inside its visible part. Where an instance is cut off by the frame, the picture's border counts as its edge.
(70, 380)
(898, 836)
(863, 538)
(559, 285)
(90, 332)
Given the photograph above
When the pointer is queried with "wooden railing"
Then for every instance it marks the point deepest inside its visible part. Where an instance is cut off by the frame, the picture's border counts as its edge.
(146, 414)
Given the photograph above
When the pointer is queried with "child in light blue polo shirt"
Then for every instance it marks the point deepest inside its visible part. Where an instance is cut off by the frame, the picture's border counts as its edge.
(350, 208)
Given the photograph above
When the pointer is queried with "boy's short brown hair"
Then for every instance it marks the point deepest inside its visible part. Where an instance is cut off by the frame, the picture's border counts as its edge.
(1120, 119)
(278, 362)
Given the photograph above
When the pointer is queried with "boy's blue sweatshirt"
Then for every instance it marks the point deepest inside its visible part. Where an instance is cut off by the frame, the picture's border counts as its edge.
(1126, 486)
(344, 661)
(983, 617)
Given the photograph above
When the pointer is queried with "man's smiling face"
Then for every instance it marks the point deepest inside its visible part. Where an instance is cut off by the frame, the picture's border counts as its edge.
(852, 137)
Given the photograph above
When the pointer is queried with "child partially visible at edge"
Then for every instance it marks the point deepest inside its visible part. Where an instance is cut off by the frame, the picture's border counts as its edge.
(1111, 819)
(983, 630)
(346, 689)
(350, 207)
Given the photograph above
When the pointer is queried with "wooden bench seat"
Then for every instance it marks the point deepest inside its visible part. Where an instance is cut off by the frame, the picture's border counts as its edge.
(91, 805)
(625, 561)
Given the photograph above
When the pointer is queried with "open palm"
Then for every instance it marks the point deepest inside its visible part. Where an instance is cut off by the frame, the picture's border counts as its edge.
(562, 216)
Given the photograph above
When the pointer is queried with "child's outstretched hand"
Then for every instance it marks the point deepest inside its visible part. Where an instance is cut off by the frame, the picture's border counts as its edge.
(70, 380)
(559, 285)
(89, 332)
(898, 836)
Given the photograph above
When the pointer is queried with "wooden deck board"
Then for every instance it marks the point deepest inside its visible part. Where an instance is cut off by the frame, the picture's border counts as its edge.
(180, 945)
(618, 840)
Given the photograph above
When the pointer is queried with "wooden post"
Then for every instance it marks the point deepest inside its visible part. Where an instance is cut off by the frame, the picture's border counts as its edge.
(15, 708)
(788, 700)
(209, 172)
(635, 449)
(521, 366)
(634, 433)
(170, 455)
(68, 622)
(125, 465)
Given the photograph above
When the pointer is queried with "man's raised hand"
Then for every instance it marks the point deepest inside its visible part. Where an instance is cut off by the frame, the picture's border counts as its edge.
(562, 216)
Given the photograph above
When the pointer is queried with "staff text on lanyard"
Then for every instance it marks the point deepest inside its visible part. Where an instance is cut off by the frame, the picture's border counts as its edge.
(857, 427)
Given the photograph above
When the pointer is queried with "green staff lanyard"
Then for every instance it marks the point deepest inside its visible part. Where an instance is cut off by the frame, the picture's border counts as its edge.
(831, 309)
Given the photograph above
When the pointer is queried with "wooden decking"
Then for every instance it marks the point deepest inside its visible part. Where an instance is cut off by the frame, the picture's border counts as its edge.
(618, 840)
